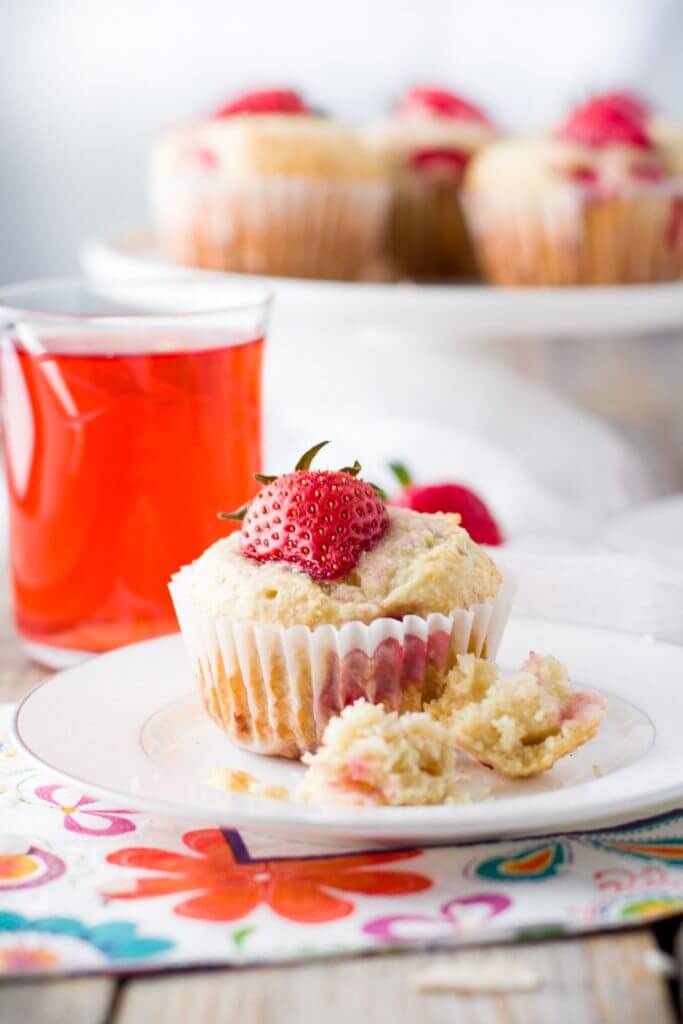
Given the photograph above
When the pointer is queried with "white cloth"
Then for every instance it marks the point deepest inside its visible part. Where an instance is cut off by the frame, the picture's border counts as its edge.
(595, 586)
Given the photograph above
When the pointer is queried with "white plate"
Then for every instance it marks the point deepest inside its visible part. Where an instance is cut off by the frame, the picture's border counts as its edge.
(129, 725)
(431, 312)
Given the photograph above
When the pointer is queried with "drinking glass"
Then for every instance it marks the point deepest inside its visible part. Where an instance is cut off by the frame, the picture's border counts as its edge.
(132, 416)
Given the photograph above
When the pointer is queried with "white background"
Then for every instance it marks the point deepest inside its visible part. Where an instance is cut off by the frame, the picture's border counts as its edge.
(86, 84)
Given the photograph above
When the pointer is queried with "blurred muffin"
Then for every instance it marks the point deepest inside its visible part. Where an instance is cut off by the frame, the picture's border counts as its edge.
(426, 145)
(595, 203)
(267, 186)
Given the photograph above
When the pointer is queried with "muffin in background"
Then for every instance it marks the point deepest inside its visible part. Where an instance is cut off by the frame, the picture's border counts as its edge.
(265, 185)
(426, 146)
(597, 202)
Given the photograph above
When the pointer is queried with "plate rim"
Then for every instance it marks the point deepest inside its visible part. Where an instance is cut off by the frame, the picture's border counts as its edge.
(388, 824)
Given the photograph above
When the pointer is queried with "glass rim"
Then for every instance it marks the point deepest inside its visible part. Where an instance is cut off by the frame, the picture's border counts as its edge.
(11, 293)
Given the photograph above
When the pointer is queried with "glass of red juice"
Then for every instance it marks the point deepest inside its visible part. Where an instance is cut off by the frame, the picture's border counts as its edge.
(132, 416)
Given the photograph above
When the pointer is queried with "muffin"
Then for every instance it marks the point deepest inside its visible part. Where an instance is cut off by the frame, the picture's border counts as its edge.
(667, 136)
(325, 596)
(267, 186)
(595, 203)
(426, 146)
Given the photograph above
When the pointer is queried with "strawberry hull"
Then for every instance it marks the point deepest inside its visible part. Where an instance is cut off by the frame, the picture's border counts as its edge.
(272, 689)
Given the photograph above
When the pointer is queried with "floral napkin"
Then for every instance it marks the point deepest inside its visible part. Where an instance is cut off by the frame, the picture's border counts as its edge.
(87, 884)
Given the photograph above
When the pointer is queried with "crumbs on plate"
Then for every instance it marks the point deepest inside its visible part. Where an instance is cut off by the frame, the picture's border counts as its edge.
(233, 780)
(517, 725)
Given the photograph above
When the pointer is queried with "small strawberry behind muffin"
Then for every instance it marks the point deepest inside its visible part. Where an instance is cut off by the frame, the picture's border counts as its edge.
(475, 516)
(595, 203)
(426, 145)
(266, 185)
(327, 595)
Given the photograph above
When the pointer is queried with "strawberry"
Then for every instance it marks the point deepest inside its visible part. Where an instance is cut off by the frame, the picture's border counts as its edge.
(440, 103)
(441, 159)
(601, 122)
(320, 521)
(627, 102)
(264, 101)
(474, 515)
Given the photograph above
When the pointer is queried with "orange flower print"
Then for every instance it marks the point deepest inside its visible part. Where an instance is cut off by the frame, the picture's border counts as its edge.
(225, 888)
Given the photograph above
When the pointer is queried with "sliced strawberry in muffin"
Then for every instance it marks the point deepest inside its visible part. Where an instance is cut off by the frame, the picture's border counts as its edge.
(519, 724)
(440, 160)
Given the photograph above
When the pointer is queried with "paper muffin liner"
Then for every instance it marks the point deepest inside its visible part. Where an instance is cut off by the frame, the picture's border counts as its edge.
(272, 689)
(572, 236)
(290, 227)
(427, 234)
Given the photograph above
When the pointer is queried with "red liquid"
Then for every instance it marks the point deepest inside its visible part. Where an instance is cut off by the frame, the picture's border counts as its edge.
(117, 466)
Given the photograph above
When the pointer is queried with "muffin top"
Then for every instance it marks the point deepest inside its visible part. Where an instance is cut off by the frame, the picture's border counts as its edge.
(527, 165)
(423, 564)
(403, 134)
(260, 135)
(602, 146)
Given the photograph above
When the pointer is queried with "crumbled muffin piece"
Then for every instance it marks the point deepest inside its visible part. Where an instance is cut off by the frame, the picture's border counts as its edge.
(373, 756)
(520, 724)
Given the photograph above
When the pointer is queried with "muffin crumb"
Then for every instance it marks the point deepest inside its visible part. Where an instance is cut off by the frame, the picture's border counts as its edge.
(499, 974)
(373, 756)
(519, 724)
(234, 780)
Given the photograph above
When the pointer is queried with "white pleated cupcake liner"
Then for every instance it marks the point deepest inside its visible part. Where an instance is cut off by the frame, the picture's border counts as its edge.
(572, 236)
(273, 689)
(282, 226)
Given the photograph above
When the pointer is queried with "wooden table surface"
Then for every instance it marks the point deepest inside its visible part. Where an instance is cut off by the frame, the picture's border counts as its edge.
(606, 978)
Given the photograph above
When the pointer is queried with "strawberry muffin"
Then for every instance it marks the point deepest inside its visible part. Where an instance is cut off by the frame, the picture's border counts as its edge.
(426, 146)
(327, 595)
(594, 203)
(266, 185)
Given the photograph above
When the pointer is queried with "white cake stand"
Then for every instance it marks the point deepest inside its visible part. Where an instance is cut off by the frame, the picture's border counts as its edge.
(447, 312)
(454, 379)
